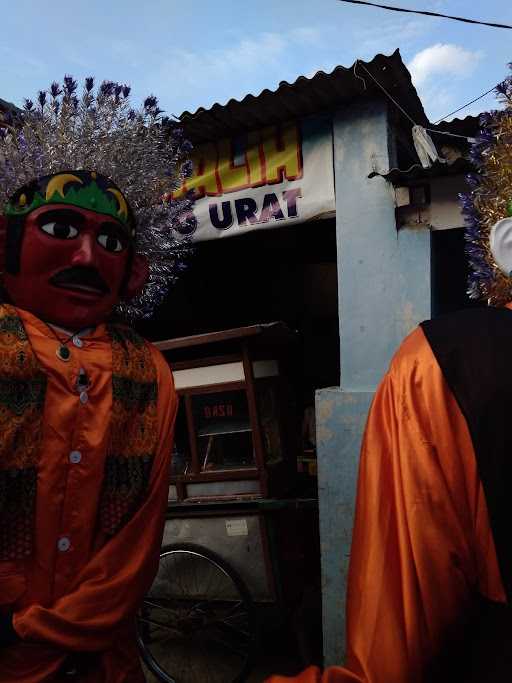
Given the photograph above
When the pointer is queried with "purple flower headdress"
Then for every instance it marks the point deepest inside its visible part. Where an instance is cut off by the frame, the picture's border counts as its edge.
(490, 201)
(142, 152)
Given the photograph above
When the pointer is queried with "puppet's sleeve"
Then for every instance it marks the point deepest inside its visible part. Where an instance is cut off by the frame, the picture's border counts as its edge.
(111, 586)
(419, 508)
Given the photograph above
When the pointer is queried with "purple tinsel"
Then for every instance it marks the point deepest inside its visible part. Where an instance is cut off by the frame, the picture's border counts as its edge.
(107, 88)
(55, 89)
(481, 274)
(70, 85)
(150, 102)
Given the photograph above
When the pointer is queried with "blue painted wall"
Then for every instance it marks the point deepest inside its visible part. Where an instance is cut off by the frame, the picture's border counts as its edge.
(383, 292)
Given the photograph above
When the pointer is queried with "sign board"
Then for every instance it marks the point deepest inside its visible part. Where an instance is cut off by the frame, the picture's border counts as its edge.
(237, 527)
(280, 175)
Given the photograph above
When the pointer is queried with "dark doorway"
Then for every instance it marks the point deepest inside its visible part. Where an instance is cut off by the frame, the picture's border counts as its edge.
(449, 272)
(286, 274)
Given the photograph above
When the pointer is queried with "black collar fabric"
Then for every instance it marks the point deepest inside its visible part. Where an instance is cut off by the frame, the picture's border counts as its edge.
(474, 351)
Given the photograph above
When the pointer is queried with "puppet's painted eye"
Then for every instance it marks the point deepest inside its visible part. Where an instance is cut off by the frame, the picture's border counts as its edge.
(61, 231)
(111, 239)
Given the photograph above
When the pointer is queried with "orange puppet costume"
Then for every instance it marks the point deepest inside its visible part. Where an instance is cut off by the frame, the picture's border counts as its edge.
(79, 589)
(422, 542)
(87, 407)
(430, 578)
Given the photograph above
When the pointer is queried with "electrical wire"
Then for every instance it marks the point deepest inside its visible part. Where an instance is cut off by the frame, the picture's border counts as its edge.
(451, 135)
(428, 14)
(399, 106)
(465, 105)
(386, 92)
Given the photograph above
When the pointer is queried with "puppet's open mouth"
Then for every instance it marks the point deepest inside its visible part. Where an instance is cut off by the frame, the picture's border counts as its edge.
(84, 280)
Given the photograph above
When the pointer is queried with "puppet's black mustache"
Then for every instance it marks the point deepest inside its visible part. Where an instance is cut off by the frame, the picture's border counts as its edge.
(78, 275)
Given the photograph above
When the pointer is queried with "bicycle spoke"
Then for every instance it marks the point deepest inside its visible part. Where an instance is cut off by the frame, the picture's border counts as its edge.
(196, 623)
(156, 605)
(232, 629)
(230, 647)
(157, 624)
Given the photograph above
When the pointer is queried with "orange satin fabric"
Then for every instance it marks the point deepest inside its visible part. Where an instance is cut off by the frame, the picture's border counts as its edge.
(83, 599)
(421, 538)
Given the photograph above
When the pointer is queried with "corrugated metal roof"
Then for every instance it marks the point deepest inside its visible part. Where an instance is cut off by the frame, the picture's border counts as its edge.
(467, 127)
(322, 92)
(417, 172)
(7, 106)
(4, 108)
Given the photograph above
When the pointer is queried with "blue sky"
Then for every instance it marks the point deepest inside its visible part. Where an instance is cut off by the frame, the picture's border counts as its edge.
(200, 52)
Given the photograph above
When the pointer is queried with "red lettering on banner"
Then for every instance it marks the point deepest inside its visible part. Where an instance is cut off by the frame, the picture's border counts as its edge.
(271, 156)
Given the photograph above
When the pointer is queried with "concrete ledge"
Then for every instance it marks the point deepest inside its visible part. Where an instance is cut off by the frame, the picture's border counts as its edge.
(341, 418)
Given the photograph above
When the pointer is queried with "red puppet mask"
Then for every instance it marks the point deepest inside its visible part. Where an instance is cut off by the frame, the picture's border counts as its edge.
(74, 263)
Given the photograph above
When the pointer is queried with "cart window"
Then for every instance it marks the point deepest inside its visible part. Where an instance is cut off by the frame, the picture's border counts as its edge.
(223, 429)
(180, 463)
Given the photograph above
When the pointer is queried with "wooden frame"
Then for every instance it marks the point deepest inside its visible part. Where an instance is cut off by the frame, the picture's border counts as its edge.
(278, 331)
(253, 414)
(241, 474)
(244, 346)
(212, 388)
(206, 362)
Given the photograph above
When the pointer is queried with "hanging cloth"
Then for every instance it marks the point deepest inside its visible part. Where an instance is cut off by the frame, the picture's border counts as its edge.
(425, 148)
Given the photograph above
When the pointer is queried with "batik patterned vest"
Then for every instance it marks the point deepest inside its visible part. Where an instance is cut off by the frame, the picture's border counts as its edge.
(132, 442)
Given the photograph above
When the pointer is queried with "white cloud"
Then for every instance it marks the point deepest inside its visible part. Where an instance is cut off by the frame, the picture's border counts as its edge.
(441, 60)
(438, 101)
(247, 56)
(265, 59)
(386, 36)
(307, 35)
(19, 62)
(125, 52)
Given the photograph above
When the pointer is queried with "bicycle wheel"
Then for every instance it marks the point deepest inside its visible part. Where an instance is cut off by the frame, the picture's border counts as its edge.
(196, 624)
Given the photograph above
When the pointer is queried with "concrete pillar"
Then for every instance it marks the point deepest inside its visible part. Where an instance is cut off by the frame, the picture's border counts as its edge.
(383, 292)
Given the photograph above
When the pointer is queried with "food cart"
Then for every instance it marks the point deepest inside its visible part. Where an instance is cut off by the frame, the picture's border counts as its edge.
(240, 552)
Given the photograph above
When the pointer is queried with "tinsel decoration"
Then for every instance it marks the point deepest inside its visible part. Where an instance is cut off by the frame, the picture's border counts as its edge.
(490, 199)
(144, 153)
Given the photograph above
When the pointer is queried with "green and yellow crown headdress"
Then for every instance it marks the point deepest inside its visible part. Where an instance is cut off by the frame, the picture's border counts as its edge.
(82, 189)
